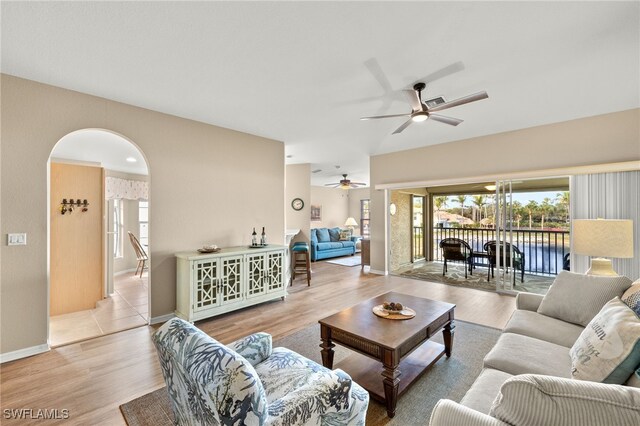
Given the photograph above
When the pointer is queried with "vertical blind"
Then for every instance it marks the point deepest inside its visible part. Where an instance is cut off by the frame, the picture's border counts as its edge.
(608, 196)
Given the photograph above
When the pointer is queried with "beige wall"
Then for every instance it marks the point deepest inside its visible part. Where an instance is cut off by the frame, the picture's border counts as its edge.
(208, 184)
(355, 196)
(335, 206)
(298, 185)
(601, 139)
(401, 231)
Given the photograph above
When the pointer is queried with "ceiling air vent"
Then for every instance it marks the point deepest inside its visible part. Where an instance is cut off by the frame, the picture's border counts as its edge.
(435, 101)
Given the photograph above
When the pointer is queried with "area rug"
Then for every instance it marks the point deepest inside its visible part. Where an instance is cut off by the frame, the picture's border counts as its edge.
(346, 261)
(432, 271)
(448, 378)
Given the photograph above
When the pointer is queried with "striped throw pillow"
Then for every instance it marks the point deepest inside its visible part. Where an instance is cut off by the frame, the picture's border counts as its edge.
(632, 297)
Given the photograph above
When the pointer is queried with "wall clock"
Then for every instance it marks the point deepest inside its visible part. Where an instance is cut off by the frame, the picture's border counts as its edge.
(297, 204)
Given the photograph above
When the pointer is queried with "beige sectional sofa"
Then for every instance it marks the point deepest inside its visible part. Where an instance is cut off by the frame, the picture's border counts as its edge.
(527, 376)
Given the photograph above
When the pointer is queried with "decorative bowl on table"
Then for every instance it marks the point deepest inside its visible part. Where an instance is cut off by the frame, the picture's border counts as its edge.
(212, 248)
(392, 307)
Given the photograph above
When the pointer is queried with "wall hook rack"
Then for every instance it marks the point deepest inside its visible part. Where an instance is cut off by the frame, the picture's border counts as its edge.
(67, 205)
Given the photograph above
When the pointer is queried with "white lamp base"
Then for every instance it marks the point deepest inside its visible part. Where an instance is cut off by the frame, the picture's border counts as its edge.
(601, 266)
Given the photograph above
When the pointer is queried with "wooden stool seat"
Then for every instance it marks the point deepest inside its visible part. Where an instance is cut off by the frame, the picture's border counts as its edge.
(300, 261)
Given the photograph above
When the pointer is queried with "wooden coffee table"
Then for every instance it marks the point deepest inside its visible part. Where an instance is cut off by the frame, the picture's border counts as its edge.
(402, 346)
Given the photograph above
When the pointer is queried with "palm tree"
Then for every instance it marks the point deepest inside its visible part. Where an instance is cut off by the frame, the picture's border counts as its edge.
(439, 203)
(545, 208)
(479, 201)
(563, 198)
(461, 199)
(517, 209)
(531, 207)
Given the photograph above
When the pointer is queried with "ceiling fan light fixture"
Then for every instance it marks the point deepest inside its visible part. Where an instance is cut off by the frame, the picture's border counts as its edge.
(419, 116)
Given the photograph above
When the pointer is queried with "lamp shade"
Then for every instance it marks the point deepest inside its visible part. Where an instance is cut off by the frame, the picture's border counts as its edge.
(351, 222)
(603, 237)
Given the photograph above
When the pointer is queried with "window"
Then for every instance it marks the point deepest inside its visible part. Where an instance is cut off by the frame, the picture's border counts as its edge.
(118, 228)
(364, 218)
(143, 219)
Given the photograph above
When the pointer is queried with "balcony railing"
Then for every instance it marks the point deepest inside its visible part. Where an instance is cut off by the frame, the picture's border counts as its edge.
(543, 250)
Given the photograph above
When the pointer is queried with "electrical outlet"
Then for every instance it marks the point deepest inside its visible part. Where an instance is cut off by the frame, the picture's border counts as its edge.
(17, 239)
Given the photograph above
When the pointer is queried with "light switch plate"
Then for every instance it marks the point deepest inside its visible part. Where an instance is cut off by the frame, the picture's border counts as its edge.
(17, 239)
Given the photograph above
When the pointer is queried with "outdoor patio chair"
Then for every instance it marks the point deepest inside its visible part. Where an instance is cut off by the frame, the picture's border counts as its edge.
(457, 250)
(518, 259)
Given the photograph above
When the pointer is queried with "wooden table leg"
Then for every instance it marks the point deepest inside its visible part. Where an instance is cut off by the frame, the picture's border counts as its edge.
(327, 347)
(391, 383)
(447, 334)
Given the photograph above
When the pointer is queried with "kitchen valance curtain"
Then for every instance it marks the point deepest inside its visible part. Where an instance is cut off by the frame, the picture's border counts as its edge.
(126, 189)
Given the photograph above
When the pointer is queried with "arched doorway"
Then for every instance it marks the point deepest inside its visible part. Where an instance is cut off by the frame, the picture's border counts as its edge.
(98, 186)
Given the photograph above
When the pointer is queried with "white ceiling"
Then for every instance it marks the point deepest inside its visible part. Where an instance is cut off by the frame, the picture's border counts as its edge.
(301, 72)
(99, 146)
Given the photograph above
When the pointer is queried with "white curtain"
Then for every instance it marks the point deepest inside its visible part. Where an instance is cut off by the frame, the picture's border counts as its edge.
(125, 189)
(608, 196)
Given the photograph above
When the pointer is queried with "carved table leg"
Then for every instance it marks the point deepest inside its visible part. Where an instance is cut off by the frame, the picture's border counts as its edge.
(327, 347)
(447, 334)
(391, 381)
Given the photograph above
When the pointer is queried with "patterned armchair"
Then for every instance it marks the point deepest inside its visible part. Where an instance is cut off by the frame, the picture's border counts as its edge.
(249, 382)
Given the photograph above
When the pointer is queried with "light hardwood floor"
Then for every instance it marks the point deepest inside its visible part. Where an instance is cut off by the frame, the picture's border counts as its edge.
(93, 378)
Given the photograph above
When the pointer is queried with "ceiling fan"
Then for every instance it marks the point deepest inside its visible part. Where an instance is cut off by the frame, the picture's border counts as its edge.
(421, 111)
(345, 183)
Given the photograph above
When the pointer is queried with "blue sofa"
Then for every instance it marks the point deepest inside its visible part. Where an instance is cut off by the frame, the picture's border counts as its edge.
(325, 243)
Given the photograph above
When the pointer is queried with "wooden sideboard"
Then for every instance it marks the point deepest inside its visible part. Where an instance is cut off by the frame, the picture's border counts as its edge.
(365, 252)
(233, 278)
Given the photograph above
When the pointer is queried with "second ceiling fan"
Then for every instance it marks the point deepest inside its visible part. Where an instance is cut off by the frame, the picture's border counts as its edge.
(421, 111)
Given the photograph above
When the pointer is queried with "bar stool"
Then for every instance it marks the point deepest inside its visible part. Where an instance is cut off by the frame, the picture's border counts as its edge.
(299, 263)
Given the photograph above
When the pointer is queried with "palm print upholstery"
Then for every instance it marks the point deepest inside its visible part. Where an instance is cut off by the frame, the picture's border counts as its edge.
(250, 383)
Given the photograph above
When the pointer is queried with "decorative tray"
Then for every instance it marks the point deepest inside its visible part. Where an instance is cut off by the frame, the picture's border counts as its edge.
(204, 250)
(405, 313)
(258, 245)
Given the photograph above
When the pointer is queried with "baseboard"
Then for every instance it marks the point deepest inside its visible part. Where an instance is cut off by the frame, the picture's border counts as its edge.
(161, 318)
(375, 271)
(126, 271)
(23, 353)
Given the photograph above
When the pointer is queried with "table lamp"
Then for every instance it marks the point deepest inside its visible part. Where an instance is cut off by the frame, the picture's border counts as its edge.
(351, 223)
(602, 238)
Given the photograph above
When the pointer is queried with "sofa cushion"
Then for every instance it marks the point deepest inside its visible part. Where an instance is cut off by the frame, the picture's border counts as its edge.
(542, 327)
(577, 298)
(329, 246)
(608, 350)
(323, 235)
(517, 354)
(484, 390)
(334, 234)
(347, 244)
(533, 400)
(632, 297)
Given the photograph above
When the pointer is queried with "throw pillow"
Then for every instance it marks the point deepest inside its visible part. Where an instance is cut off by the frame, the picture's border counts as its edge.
(608, 349)
(345, 235)
(323, 235)
(577, 298)
(534, 400)
(632, 297)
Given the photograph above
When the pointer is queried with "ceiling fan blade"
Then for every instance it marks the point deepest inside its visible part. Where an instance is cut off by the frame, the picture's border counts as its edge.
(461, 101)
(358, 183)
(334, 185)
(414, 100)
(448, 70)
(445, 119)
(375, 117)
(404, 126)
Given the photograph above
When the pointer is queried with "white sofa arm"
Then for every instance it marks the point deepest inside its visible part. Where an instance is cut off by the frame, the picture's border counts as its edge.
(449, 413)
(528, 301)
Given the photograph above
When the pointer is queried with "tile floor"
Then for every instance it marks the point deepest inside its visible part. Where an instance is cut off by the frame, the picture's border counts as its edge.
(127, 308)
